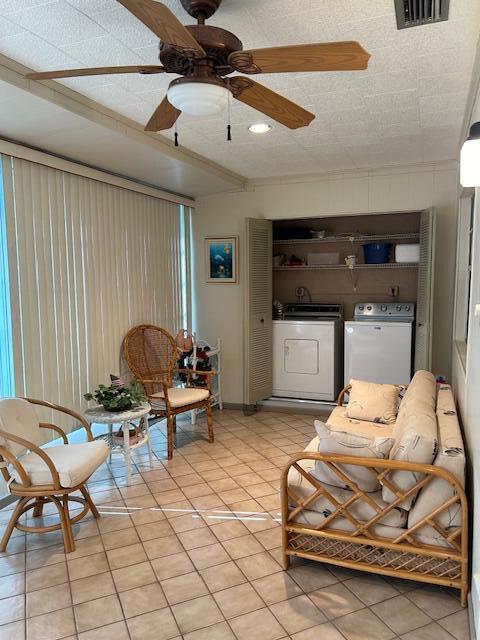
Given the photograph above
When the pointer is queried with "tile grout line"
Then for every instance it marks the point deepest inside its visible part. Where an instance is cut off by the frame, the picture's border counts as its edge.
(236, 434)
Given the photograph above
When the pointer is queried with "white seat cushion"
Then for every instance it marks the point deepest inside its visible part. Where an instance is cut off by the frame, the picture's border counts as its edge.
(359, 509)
(75, 463)
(339, 421)
(426, 535)
(18, 417)
(423, 388)
(451, 457)
(366, 444)
(415, 433)
(179, 397)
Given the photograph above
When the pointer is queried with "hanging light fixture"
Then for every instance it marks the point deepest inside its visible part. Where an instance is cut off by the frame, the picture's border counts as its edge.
(470, 158)
(198, 96)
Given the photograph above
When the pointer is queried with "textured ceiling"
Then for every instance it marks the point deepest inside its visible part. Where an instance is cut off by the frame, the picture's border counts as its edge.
(42, 124)
(407, 108)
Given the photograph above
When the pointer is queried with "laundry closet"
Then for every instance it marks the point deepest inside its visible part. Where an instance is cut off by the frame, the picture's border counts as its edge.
(335, 297)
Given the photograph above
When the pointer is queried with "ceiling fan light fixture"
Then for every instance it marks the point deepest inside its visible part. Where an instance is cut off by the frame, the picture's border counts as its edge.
(260, 128)
(205, 56)
(470, 158)
(198, 98)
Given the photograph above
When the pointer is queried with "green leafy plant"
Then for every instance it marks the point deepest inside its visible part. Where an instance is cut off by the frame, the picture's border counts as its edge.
(118, 396)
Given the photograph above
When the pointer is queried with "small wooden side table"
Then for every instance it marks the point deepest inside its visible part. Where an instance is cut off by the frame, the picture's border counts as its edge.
(99, 415)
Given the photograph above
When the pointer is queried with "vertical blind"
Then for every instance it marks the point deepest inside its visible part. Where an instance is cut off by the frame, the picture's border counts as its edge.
(86, 261)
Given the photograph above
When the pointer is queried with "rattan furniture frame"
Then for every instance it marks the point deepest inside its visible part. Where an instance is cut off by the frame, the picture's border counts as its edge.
(34, 497)
(151, 354)
(403, 556)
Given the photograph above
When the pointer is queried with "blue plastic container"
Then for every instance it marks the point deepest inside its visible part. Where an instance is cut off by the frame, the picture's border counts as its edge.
(376, 253)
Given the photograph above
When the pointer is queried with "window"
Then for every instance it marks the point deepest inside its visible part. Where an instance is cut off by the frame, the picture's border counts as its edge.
(7, 385)
(469, 264)
(88, 260)
(81, 262)
(187, 268)
(463, 272)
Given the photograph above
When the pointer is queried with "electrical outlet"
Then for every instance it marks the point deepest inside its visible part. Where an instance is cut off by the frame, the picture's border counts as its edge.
(393, 292)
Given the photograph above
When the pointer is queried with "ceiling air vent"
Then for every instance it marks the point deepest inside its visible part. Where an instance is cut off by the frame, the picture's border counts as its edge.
(415, 13)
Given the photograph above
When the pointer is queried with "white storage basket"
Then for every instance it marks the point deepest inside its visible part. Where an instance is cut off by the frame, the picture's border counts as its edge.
(407, 253)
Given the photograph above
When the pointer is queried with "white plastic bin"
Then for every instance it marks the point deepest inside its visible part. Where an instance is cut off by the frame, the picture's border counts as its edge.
(407, 253)
(317, 259)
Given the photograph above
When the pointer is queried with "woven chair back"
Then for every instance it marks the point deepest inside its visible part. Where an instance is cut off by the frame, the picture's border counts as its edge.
(151, 354)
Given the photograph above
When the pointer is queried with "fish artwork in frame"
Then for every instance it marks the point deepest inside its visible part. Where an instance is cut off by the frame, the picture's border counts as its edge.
(221, 259)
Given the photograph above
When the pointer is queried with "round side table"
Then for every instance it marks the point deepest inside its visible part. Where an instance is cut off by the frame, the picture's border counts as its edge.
(99, 415)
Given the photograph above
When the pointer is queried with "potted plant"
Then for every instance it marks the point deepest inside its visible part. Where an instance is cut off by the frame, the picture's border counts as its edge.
(118, 396)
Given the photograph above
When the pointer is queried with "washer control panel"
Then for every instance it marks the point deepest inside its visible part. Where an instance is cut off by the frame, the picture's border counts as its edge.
(385, 311)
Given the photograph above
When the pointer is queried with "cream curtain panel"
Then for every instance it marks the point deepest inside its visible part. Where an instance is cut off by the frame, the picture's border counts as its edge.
(87, 261)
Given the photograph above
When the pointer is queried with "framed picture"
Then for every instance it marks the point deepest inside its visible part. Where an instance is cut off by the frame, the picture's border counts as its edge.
(221, 259)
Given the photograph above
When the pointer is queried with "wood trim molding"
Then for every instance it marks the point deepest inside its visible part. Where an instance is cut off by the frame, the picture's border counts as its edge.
(453, 164)
(55, 162)
(60, 95)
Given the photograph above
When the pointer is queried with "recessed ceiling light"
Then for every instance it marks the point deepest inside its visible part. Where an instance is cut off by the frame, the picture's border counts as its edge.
(260, 127)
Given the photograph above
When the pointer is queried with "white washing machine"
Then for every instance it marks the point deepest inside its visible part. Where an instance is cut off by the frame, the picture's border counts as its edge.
(379, 343)
(307, 352)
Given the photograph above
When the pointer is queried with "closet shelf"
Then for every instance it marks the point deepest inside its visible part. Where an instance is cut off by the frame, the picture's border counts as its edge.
(393, 237)
(343, 267)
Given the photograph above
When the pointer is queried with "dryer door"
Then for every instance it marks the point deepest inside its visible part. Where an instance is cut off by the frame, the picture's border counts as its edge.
(303, 360)
(301, 356)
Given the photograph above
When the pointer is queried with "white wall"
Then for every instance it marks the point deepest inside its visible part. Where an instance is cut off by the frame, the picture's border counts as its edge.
(220, 307)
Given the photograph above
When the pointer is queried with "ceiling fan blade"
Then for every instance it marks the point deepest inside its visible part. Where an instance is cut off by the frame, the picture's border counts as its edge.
(164, 117)
(327, 56)
(96, 71)
(164, 24)
(270, 103)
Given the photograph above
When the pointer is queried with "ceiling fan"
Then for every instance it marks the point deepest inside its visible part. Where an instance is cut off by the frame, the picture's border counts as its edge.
(206, 56)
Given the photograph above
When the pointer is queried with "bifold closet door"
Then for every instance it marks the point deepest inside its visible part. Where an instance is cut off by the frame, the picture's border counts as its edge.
(258, 311)
(424, 315)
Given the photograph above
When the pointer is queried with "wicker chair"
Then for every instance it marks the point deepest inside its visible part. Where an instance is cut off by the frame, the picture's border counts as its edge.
(39, 476)
(151, 354)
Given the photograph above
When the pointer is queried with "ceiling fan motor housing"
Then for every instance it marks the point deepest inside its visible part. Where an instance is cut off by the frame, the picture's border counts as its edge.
(201, 9)
(217, 43)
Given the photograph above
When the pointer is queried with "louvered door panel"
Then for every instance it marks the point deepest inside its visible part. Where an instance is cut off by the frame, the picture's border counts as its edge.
(258, 311)
(424, 315)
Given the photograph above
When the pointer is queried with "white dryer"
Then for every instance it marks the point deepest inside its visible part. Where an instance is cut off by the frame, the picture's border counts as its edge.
(379, 343)
(307, 352)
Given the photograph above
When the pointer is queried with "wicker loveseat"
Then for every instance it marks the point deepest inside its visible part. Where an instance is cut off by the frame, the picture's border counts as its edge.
(412, 522)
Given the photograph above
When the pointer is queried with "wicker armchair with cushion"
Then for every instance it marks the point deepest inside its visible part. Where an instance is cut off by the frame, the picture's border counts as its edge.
(39, 476)
(151, 354)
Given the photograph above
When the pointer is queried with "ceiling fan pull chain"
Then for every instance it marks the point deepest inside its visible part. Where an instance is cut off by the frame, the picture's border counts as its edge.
(229, 106)
(176, 135)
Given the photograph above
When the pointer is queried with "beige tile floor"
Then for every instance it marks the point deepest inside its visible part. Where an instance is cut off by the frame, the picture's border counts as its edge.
(191, 550)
